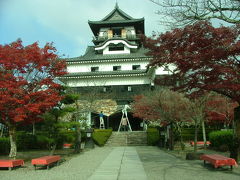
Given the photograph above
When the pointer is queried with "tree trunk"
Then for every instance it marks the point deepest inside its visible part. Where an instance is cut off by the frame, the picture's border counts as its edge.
(78, 140)
(171, 143)
(78, 128)
(2, 128)
(53, 149)
(13, 139)
(33, 130)
(180, 134)
(234, 151)
(204, 134)
(195, 137)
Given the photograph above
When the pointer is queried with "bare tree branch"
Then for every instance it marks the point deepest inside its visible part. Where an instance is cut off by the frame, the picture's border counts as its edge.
(178, 13)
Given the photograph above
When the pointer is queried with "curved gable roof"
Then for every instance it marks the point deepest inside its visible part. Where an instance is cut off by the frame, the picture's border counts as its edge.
(115, 18)
(117, 14)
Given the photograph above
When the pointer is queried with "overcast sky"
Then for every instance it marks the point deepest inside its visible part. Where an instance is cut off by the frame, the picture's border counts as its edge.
(65, 22)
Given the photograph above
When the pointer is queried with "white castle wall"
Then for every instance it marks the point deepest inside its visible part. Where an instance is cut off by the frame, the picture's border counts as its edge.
(107, 81)
(107, 66)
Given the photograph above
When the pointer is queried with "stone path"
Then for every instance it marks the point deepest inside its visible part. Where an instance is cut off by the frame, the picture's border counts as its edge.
(124, 163)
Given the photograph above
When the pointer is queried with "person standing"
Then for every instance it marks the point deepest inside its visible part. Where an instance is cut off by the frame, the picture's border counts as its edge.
(102, 126)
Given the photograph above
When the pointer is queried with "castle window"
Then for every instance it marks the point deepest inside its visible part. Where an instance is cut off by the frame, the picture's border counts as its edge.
(129, 88)
(104, 89)
(116, 68)
(116, 47)
(94, 69)
(136, 67)
(116, 32)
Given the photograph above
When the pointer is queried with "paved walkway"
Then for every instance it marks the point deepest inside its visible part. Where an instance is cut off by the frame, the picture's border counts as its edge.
(124, 163)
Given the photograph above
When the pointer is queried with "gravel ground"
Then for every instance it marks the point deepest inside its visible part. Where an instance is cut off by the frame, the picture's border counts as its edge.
(80, 167)
(157, 164)
(168, 165)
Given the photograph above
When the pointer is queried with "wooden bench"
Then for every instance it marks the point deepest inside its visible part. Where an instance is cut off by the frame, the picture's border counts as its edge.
(45, 161)
(67, 146)
(10, 163)
(218, 160)
(200, 143)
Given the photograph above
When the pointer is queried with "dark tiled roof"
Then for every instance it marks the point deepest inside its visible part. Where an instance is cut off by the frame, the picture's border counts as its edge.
(116, 21)
(91, 55)
(117, 11)
(117, 17)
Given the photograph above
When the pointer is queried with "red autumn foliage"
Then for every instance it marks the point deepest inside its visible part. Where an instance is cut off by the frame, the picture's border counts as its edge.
(163, 106)
(144, 108)
(220, 109)
(28, 81)
(206, 58)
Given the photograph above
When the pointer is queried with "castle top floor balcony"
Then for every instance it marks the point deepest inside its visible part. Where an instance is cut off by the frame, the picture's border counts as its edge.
(130, 37)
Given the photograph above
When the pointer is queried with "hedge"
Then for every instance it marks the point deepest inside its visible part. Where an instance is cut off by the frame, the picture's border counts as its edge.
(100, 136)
(26, 141)
(221, 140)
(152, 136)
(189, 133)
(41, 140)
(4, 145)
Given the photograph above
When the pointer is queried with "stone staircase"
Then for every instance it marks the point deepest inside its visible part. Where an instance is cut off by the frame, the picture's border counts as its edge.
(134, 138)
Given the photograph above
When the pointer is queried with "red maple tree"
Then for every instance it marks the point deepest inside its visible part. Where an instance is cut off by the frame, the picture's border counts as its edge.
(165, 107)
(204, 57)
(220, 110)
(28, 85)
(143, 108)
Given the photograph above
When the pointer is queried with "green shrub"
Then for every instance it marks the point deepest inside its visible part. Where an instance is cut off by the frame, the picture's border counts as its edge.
(152, 136)
(68, 136)
(4, 145)
(189, 133)
(100, 136)
(44, 142)
(26, 141)
(221, 139)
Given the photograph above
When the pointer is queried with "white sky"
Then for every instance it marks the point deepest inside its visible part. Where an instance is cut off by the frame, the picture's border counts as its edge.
(65, 22)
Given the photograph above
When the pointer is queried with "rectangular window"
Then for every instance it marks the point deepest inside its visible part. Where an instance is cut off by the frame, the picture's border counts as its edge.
(136, 67)
(94, 69)
(129, 88)
(116, 68)
(116, 48)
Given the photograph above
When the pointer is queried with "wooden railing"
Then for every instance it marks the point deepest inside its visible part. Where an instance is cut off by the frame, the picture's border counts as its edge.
(128, 37)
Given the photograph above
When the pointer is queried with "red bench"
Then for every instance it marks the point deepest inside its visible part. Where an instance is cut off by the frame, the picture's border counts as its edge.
(200, 143)
(11, 163)
(218, 160)
(67, 146)
(45, 161)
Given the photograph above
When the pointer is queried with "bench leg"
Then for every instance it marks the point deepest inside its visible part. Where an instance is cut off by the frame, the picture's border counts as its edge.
(35, 167)
(48, 167)
(204, 162)
(231, 167)
(9, 168)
